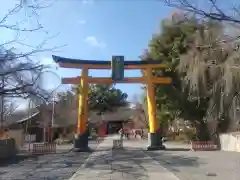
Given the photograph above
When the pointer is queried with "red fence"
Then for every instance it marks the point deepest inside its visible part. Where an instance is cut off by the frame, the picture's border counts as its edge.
(203, 146)
(43, 148)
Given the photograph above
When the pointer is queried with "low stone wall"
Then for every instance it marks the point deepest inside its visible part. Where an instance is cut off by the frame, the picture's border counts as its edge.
(18, 136)
(7, 148)
(230, 142)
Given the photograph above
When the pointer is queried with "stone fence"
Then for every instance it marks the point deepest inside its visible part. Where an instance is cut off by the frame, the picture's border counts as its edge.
(7, 148)
(230, 142)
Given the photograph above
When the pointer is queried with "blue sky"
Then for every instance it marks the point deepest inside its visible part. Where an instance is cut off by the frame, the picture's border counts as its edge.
(93, 30)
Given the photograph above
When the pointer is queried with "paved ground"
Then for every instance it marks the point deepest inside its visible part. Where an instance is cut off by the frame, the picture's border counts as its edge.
(130, 163)
(201, 165)
(59, 166)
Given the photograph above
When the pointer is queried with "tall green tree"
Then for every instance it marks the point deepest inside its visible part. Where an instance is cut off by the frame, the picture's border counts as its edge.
(174, 40)
(104, 98)
(204, 66)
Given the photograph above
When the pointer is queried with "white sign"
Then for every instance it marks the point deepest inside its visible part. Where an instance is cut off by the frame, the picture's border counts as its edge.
(30, 138)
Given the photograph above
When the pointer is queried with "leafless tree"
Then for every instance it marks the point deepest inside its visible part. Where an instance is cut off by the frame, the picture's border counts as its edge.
(7, 107)
(141, 107)
(19, 73)
(212, 9)
(66, 109)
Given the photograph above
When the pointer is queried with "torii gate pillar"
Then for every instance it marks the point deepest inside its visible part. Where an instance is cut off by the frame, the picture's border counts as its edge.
(154, 135)
(81, 137)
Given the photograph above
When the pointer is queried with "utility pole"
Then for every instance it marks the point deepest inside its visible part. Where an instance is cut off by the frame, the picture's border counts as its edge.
(2, 102)
(27, 126)
(53, 113)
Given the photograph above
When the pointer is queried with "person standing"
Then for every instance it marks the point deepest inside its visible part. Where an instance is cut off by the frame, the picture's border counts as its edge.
(142, 133)
(121, 132)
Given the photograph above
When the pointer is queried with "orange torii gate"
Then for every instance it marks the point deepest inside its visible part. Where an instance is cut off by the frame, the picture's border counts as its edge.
(81, 138)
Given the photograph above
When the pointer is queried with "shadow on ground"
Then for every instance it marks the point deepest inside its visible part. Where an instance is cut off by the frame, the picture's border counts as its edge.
(119, 162)
(174, 161)
(51, 166)
(17, 159)
(133, 162)
(26, 156)
(177, 149)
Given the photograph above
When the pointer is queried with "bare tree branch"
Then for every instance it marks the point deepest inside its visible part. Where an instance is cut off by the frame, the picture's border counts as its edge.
(19, 73)
(27, 5)
(215, 12)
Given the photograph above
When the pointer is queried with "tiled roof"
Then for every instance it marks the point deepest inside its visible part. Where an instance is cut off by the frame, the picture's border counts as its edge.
(20, 116)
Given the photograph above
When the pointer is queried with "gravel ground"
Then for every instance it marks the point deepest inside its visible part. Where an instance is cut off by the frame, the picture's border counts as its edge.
(59, 166)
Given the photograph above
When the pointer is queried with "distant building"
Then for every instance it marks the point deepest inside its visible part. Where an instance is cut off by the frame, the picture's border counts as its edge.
(30, 122)
(44, 123)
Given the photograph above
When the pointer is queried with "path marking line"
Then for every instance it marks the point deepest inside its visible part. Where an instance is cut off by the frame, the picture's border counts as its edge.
(88, 159)
(166, 175)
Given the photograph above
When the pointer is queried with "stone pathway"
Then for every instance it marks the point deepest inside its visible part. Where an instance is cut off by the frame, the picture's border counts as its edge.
(129, 163)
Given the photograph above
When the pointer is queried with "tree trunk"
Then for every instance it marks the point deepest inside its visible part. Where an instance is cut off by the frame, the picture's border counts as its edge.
(214, 131)
(202, 133)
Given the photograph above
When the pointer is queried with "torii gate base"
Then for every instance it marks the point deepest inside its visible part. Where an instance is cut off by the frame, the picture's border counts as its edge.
(80, 143)
(81, 137)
